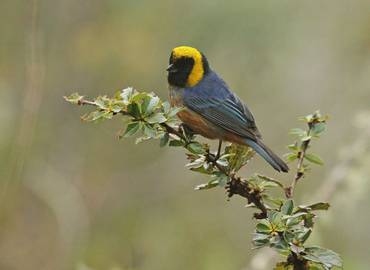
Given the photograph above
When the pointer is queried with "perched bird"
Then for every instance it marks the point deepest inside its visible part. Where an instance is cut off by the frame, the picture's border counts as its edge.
(211, 108)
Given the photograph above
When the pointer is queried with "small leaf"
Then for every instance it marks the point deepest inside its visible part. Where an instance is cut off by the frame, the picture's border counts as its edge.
(74, 98)
(287, 207)
(324, 256)
(222, 162)
(305, 235)
(293, 147)
(164, 139)
(260, 239)
(264, 226)
(196, 163)
(149, 131)
(306, 138)
(134, 110)
(196, 148)
(131, 129)
(142, 139)
(298, 131)
(270, 179)
(318, 128)
(117, 108)
(93, 116)
(315, 206)
(138, 97)
(101, 102)
(209, 185)
(221, 178)
(166, 107)
(176, 143)
(291, 156)
(126, 95)
(156, 118)
(314, 159)
(173, 111)
(150, 103)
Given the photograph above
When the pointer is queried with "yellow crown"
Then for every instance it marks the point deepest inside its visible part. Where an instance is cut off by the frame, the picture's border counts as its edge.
(197, 72)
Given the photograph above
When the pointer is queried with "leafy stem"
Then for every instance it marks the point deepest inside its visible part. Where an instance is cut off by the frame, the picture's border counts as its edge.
(282, 225)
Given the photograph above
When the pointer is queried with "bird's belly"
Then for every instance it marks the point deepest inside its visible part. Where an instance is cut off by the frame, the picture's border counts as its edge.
(200, 125)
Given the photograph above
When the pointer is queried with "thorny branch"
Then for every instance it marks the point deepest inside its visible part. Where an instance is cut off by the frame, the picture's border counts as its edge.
(235, 186)
(281, 225)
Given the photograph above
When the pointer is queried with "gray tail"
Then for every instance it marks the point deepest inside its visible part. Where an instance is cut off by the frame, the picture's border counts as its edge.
(265, 152)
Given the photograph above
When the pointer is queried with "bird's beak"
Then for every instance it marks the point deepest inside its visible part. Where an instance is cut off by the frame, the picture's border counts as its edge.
(171, 68)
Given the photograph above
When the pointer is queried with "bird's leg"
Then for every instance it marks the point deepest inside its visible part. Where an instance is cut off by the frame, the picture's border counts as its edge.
(219, 149)
(187, 130)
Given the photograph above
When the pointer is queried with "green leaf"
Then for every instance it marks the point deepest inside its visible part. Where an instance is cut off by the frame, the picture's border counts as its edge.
(150, 104)
(156, 118)
(134, 110)
(293, 147)
(270, 179)
(264, 226)
(196, 148)
(166, 107)
(138, 97)
(314, 159)
(131, 129)
(324, 256)
(306, 138)
(291, 156)
(238, 156)
(287, 208)
(93, 116)
(221, 178)
(203, 169)
(176, 143)
(74, 98)
(275, 218)
(196, 163)
(126, 95)
(318, 128)
(305, 235)
(315, 206)
(211, 184)
(142, 139)
(260, 239)
(102, 102)
(298, 132)
(173, 111)
(164, 139)
(117, 108)
(149, 131)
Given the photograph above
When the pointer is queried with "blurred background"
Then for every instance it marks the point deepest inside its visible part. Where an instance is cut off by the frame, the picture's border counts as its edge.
(74, 197)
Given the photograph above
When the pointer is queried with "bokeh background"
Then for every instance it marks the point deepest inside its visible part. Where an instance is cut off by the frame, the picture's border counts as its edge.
(74, 197)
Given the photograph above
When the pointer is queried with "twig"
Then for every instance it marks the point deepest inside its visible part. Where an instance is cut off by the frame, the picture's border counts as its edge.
(299, 174)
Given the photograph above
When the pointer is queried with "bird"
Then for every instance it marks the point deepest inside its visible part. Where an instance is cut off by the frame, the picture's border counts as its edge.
(210, 108)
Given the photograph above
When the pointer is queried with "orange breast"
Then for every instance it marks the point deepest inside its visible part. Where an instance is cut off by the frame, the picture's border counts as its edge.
(200, 125)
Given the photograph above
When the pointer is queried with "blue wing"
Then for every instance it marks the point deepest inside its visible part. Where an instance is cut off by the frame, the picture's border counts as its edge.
(213, 100)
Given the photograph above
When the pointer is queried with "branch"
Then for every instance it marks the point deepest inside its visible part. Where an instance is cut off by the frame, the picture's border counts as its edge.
(235, 185)
(300, 172)
(282, 225)
(316, 125)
